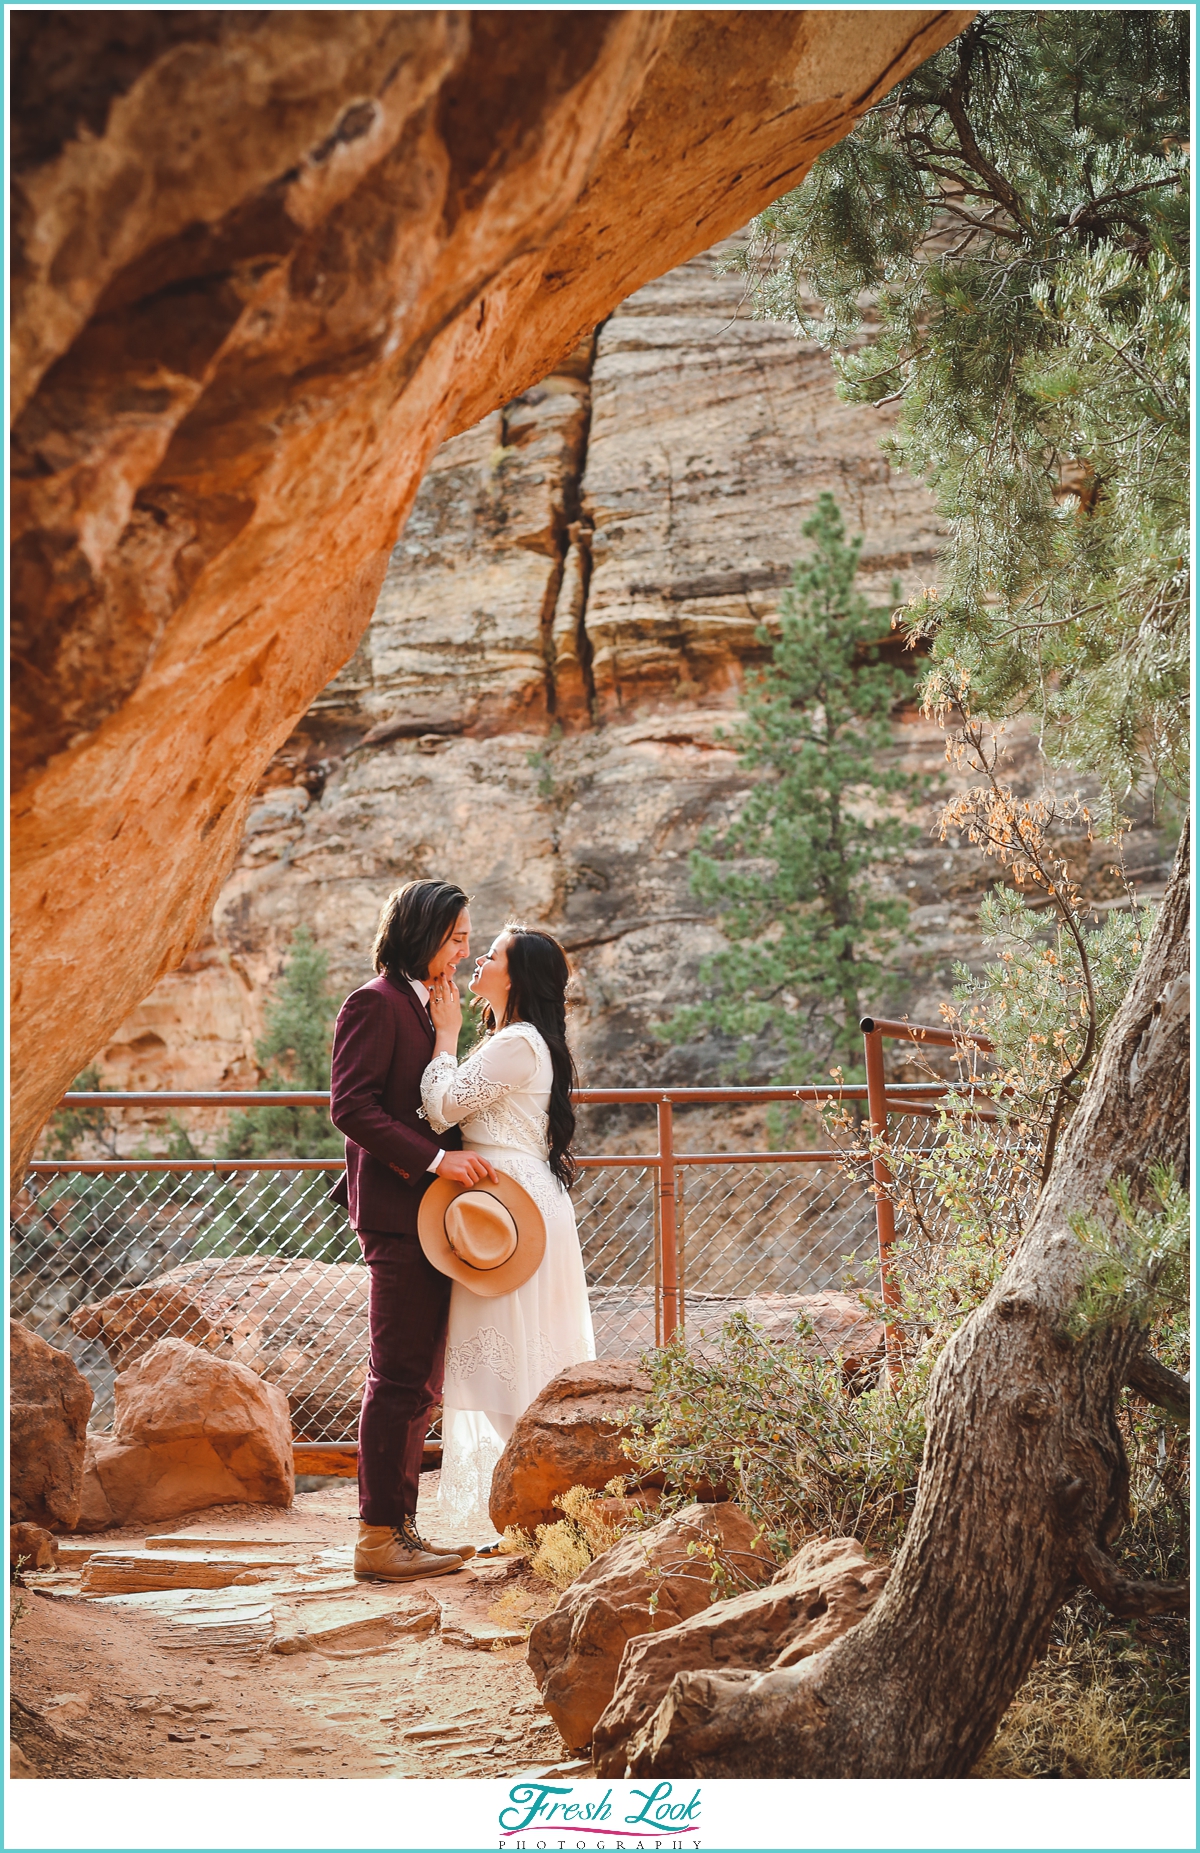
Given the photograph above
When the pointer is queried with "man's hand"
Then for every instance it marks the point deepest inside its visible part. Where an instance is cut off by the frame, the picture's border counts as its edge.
(466, 1168)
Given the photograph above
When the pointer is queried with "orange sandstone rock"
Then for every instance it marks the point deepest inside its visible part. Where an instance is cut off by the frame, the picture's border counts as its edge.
(576, 1651)
(825, 1589)
(191, 1431)
(49, 1405)
(572, 1434)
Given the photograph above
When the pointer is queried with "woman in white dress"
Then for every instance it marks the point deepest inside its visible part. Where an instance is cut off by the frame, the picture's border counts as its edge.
(511, 1099)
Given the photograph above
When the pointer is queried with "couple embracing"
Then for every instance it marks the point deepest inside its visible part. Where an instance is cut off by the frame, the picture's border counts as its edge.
(457, 1181)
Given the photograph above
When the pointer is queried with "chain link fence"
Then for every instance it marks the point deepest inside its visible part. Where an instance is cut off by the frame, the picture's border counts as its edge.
(251, 1261)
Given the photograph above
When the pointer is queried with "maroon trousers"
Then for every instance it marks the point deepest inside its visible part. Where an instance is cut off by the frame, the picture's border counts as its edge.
(409, 1302)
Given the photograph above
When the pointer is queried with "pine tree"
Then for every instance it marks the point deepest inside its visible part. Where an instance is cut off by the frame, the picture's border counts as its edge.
(794, 875)
(1017, 210)
(295, 1056)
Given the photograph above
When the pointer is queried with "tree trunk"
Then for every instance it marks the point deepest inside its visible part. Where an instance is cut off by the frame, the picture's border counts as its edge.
(1023, 1482)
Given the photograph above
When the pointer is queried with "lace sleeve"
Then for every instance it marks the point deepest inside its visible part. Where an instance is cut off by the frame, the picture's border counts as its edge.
(450, 1094)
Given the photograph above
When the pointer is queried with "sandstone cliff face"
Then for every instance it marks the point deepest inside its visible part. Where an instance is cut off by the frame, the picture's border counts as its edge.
(263, 263)
(535, 710)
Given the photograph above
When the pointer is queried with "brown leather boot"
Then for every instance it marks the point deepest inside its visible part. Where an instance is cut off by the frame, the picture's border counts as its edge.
(414, 1538)
(395, 1554)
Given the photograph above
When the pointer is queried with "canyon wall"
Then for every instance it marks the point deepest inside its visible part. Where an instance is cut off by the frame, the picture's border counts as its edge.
(536, 709)
(263, 263)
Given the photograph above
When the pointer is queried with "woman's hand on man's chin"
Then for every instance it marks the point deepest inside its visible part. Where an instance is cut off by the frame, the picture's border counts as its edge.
(445, 1005)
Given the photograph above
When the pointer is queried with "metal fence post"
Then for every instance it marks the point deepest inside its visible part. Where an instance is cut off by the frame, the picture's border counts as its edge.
(885, 1213)
(672, 1311)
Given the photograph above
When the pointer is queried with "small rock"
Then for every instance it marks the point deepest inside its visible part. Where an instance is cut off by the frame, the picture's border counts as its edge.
(245, 1759)
(67, 1705)
(481, 1634)
(495, 1570)
(575, 1651)
(31, 1547)
(297, 1643)
(181, 1737)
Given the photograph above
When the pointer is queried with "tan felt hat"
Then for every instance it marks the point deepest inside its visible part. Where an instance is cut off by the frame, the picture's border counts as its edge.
(491, 1237)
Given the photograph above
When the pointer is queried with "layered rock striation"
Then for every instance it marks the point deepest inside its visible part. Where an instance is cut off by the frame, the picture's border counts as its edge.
(263, 263)
(538, 705)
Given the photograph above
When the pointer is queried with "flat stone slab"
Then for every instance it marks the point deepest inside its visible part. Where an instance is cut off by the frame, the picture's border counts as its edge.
(480, 1634)
(210, 1538)
(111, 1573)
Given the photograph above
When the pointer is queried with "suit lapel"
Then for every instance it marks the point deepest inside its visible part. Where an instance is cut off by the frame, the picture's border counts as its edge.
(417, 1008)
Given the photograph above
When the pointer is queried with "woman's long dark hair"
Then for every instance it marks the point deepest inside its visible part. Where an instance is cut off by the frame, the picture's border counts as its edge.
(538, 975)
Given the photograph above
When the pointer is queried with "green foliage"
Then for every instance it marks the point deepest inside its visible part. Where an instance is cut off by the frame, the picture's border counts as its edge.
(542, 763)
(296, 1048)
(778, 1424)
(793, 874)
(1017, 210)
(1033, 1000)
(71, 1125)
(471, 1032)
(965, 1195)
(1139, 1263)
(801, 1449)
(295, 1054)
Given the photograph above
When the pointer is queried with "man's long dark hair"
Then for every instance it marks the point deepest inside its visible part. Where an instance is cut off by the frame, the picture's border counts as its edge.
(538, 975)
(415, 920)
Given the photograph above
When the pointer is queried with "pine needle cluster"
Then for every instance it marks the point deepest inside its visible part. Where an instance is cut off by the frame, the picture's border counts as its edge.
(807, 921)
(1001, 248)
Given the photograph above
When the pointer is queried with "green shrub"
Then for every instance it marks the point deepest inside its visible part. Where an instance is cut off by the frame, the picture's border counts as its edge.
(778, 1424)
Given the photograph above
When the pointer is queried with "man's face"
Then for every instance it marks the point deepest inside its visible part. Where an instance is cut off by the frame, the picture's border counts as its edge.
(453, 949)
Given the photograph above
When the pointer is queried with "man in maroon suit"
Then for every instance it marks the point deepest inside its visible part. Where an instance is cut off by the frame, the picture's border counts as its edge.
(382, 1045)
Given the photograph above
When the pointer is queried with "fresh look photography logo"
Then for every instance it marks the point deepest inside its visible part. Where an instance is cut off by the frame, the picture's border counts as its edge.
(566, 1814)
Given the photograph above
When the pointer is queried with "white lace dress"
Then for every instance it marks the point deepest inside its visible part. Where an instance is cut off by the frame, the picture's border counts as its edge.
(501, 1352)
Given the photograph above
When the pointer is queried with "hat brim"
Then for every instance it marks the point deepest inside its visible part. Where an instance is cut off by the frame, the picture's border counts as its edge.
(489, 1283)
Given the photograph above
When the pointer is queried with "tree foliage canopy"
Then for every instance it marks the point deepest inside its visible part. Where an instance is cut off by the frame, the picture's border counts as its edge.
(1002, 247)
(295, 1054)
(807, 925)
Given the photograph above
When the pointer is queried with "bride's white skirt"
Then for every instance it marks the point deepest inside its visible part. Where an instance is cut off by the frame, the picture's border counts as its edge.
(501, 1352)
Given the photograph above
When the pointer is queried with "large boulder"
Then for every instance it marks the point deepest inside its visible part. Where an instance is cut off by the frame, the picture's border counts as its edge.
(299, 1324)
(95, 1513)
(648, 1582)
(192, 1430)
(825, 1589)
(573, 1434)
(49, 1405)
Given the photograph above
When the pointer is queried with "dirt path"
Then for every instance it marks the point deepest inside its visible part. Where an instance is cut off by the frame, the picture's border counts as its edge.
(101, 1690)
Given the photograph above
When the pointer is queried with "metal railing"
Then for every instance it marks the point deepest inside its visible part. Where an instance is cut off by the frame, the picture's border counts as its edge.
(247, 1257)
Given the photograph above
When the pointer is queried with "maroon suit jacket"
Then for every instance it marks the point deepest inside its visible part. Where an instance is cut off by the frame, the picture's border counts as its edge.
(381, 1047)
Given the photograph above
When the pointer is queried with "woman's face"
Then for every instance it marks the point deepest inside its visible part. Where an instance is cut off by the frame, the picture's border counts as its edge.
(491, 977)
(453, 949)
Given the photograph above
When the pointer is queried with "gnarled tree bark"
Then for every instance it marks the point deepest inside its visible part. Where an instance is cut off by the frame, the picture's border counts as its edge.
(1024, 1479)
